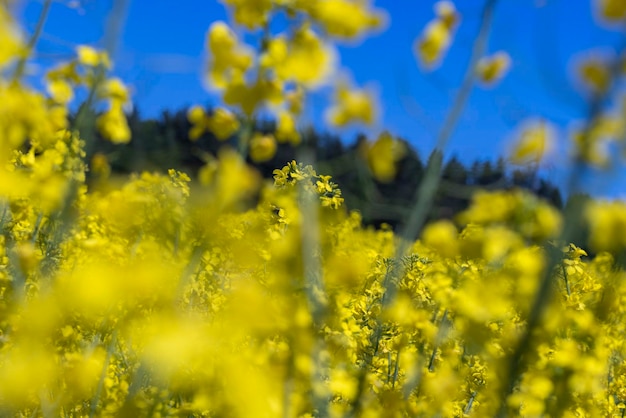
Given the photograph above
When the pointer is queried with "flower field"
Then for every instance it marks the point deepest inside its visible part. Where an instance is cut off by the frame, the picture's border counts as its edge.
(226, 295)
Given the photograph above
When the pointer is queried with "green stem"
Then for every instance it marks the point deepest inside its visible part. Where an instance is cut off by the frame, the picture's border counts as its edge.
(21, 65)
(468, 408)
(442, 325)
(37, 227)
(243, 142)
(430, 183)
(566, 281)
(396, 370)
(555, 256)
(94, 402)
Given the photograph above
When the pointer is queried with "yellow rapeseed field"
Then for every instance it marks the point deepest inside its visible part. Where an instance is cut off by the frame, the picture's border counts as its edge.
(228, 296)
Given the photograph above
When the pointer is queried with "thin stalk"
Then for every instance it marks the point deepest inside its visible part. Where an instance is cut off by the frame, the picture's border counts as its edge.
(555, 257)
(113, 28)
(37, 227)
(5, 210)
(567, 288)
(396, 370)
(468, 408)
(99, 76)
(442, 325)
(243, 140)
(94, 402)
(429, 184)
(314, 286)
(21, 65)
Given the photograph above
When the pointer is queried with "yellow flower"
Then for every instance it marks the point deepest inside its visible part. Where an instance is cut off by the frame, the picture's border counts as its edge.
(383, 155)
(351, 105)
(447, 13)
(114, 90)
(295, 100)
(441, 236)
(223, 123)
(607, 224)
(611, 10)
(252, 97)
(60, 91)
(227, 56)
(592, 142)
(286, 130)
(91, 57)
(534, 142)
(113, 126)
(595, 75)
(11, 44)
(436, 38)
(493, 68)
(345, 18)
(304, 59)
(26, 371)
(250, 13)
(262, 147)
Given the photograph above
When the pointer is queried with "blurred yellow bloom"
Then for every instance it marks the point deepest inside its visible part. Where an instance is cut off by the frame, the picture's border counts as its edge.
(230, 178)
(28, 256)
(199, 122)
(611, 10)
(286, 130)
(227, 56)
(304, 59)
(534, 141)
(11, 44)
(436, 38)
(493, 68)
(518, 209)
(446, 11)
(26, 370)
(441, 236)
(252, 97)
(595, 75)
(346, 18)
(114, 90)
(113, 126)
(592, 142)
(60, 91)
(25, 114)
(433, 43)
(223, 123)
(91, 57)
(295, 100)
(82, 372)
(262, 147)
(196, 114)
(351, 106)
(65, 71)
(382, 156)
(250, 13)
(607, 224)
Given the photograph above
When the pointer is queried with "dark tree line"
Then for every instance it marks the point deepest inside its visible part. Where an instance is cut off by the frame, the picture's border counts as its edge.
(163, 143)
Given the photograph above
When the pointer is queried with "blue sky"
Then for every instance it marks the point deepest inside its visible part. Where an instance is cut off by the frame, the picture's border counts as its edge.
(160, 54)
